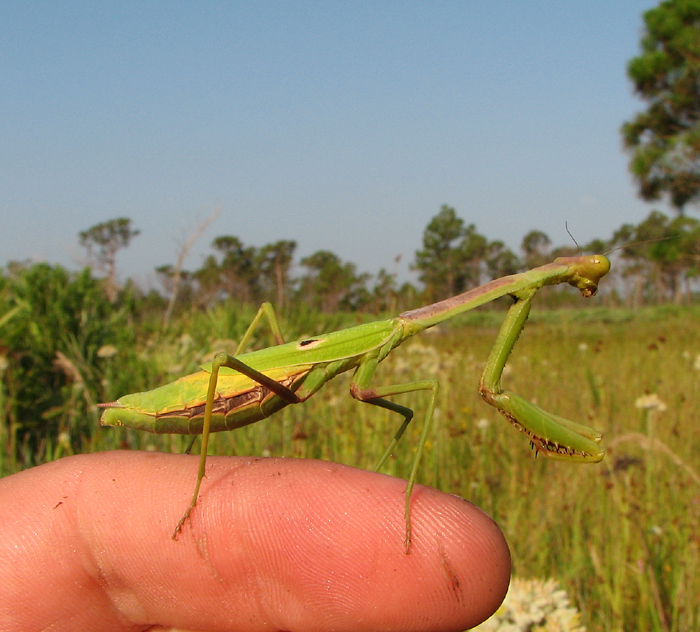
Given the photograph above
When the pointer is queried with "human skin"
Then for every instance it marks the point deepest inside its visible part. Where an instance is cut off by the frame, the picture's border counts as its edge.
(273, 544)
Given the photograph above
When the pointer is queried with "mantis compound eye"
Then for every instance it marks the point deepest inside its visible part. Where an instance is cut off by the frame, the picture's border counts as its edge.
(598, 267)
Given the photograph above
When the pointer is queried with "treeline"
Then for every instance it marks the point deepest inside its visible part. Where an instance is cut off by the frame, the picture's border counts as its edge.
(658, 261)
(655, 261)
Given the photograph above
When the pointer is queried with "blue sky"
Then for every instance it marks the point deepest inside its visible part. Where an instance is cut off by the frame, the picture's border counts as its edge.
(342, 125)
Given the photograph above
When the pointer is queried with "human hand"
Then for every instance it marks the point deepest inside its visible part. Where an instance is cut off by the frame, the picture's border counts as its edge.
(273, 544)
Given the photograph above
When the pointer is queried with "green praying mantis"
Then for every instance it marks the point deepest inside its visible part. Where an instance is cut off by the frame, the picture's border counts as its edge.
(234, 391)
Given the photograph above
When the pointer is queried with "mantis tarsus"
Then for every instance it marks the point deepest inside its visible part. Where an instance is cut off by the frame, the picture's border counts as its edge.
(234, 391)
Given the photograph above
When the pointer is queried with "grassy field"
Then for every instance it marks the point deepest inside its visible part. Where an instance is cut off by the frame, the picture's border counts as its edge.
(622, 537)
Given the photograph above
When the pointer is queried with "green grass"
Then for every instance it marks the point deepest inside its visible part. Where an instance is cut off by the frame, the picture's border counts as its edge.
(622, 537)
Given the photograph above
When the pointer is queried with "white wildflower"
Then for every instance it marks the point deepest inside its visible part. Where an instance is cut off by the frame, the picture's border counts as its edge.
(650, 402)
(534, 605)
(582, 346)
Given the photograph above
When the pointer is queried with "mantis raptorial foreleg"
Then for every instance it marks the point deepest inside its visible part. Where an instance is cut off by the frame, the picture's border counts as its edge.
(554, 436)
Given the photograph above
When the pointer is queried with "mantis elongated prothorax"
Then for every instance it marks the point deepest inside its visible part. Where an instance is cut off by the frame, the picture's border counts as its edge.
(234, 391)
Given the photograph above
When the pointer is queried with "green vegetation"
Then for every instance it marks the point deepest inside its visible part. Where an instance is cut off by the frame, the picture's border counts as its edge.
(621, 537)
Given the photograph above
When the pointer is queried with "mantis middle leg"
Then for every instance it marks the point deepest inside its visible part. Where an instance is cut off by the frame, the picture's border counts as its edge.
(375, 396)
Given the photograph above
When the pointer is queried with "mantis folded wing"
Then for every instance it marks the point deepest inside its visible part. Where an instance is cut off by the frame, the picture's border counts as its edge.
(238, 390)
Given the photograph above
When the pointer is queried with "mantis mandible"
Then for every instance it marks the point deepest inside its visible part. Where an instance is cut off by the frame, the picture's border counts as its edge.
(234, 391)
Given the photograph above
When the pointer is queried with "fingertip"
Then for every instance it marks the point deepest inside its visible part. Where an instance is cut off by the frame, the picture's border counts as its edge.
(333, 536)
(273, 544)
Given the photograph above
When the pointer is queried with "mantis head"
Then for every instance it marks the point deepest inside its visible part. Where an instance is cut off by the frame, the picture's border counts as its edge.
(586, 272)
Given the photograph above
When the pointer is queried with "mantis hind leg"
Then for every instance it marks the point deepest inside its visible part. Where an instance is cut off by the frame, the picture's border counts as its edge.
(222, 359)
(375, 396)
(268, 312)
(265, 310)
